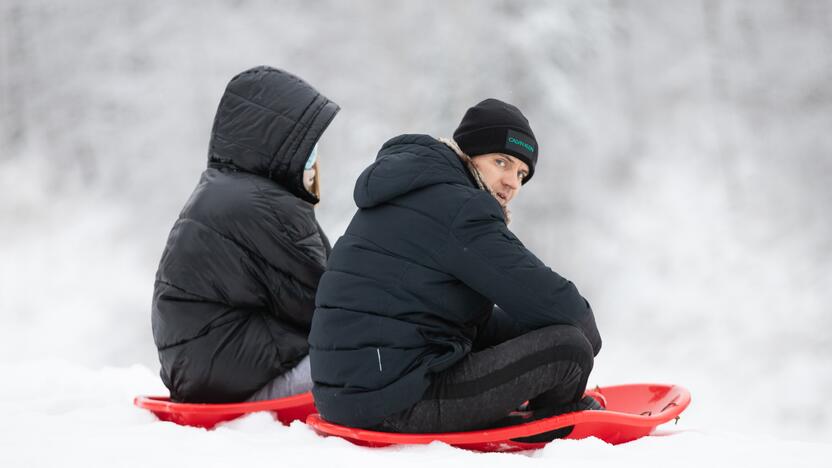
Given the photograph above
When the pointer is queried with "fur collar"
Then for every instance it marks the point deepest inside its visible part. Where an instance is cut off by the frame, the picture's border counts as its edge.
(466, 160)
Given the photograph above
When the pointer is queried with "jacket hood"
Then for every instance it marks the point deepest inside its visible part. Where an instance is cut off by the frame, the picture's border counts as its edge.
(405, 164)
(267, 123)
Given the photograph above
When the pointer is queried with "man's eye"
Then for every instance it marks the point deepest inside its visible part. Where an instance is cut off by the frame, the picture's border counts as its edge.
(522, 175)
(501, 162)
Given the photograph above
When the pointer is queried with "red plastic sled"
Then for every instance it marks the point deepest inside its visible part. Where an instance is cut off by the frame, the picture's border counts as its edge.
(632, 411)
(208, 415)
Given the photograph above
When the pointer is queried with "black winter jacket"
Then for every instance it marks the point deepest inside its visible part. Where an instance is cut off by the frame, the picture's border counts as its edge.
(413, 282)
(235, 289)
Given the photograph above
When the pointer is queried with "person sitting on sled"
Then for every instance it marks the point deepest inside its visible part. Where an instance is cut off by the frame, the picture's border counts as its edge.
(406, 336)
(235, 288)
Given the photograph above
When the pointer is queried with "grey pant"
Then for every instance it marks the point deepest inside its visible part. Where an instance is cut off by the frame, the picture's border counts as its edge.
(548, 367)
(292, 382)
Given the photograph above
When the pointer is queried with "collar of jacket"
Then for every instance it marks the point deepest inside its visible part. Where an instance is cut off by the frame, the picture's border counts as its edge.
(468, 163)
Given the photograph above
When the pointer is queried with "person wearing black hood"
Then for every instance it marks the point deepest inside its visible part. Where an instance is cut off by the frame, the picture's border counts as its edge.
(432, 316)
(234, 292)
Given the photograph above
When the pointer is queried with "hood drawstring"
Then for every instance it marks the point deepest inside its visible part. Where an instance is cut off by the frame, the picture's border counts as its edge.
(451, 143)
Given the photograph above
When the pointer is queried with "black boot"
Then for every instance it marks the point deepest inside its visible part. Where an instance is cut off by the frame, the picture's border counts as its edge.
(586, 403)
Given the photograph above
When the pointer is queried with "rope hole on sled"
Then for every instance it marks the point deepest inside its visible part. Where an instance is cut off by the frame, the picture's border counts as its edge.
(672, 403)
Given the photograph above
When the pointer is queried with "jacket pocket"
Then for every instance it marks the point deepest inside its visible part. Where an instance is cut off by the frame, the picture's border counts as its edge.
(450, 351)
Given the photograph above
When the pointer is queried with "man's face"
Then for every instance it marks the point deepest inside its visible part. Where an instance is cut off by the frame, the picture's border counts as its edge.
(503, 174)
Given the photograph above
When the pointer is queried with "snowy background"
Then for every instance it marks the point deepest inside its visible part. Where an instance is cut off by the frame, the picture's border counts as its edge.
(684, 184)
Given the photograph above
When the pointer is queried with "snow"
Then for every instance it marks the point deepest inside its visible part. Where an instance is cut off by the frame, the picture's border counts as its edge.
(683, 186)
(61, 414)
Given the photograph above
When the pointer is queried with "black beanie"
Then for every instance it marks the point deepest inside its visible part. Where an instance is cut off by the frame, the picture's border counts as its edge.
(494, 126)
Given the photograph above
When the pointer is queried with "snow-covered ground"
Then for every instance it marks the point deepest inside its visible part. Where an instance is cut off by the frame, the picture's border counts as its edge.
(59, 414)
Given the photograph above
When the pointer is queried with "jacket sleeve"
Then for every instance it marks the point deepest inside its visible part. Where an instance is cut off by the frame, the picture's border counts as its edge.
(324, 239)
(485, 255)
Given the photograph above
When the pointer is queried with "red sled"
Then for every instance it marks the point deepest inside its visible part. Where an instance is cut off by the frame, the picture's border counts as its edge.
(632, 411)
(208, 415)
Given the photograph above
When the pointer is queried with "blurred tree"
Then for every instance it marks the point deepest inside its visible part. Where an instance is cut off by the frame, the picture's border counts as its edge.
(13, 56)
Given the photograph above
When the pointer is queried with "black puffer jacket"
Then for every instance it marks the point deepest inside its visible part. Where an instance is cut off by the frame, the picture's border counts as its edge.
(411, 285)
(235, 289)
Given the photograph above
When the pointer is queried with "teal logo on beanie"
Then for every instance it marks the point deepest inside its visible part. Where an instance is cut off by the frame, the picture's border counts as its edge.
(522, 143)
(519, 143)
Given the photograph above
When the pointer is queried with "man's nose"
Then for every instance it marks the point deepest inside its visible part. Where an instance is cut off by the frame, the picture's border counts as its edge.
(511, 182)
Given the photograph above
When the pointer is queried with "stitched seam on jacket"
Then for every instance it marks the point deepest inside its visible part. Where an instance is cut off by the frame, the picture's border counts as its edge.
(197, 296)
(204, 331)
(261, 106)
(233, 142)
(385, 252)
(243, 248)
(367, 312)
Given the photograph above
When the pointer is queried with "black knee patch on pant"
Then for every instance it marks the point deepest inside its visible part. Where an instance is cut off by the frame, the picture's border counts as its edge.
(501, 376)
